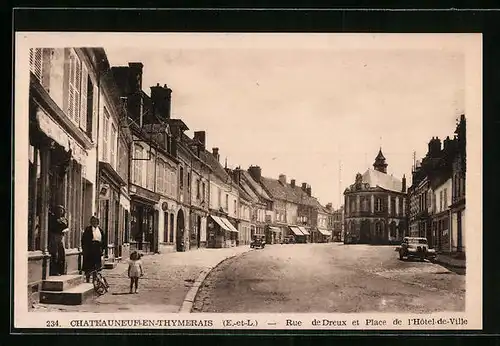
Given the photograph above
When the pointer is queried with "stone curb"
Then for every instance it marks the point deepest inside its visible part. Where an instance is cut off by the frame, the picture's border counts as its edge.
(187, 304)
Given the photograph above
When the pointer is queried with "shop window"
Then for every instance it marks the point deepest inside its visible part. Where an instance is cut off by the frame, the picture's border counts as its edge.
(34, 199)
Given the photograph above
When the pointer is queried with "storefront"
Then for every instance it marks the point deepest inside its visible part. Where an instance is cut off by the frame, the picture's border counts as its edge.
(143, 220)
(197, 232)
(221, 233)
(57, 176)
(306, 233)
(273, 235)
(441, 239)
(299, 236)
(323, 235)
(110, 211)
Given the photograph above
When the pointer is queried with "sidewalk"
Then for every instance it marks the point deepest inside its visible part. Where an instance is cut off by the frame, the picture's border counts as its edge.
(450, 261)
(166, 281)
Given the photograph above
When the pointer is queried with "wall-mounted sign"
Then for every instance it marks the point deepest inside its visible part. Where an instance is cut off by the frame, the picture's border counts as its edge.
(104, 191)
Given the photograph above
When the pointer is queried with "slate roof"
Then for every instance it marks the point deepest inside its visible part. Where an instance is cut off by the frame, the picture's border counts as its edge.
(216, 167)
(255, 186)
(288, 193)
(388, 182)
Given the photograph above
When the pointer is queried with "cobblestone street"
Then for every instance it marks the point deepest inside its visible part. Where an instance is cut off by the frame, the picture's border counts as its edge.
(330, 278)
(167, 279)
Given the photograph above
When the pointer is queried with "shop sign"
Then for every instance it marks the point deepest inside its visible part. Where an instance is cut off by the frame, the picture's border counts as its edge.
(104, 192)
(146, 194)
(164, 206)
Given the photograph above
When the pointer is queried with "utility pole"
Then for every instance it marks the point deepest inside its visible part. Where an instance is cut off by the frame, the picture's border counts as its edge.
(340, 183)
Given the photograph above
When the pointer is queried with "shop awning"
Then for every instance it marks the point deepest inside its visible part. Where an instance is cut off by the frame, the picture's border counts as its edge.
(221, 223)
(274, 229)
(324, 231)
(303, 230)
(59, 135)
(229, 225)
(296, 230)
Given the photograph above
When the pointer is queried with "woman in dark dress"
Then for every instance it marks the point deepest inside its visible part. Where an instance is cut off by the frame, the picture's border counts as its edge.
(92, 247)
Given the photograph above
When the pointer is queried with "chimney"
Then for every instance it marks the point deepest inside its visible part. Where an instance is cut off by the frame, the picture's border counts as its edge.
(434, 147)
(255, 172)
(282, 179)
(135, 77)
(237, 175)
(308, 190)
(215, 153)
(304, 187)
(200, 137)
(403, 183)
(292, 183)
(161, 98)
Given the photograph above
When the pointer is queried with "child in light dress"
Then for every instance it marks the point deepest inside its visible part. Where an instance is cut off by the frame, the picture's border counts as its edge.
(134, 270)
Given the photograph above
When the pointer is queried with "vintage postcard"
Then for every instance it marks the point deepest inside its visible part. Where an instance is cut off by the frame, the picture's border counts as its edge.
(248, 181)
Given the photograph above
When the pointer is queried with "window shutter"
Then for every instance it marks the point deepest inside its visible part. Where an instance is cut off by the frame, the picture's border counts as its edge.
(95, 112)
(36, 55)
(71, 87)
(83, 112)
(78, 85)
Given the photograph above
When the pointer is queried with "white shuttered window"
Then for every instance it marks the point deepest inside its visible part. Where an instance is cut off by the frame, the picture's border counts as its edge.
(36, 56)
(73, 103)
(83, 111)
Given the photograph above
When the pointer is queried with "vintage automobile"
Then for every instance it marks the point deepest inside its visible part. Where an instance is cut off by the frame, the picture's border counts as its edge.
(258, 243)
(416, 247)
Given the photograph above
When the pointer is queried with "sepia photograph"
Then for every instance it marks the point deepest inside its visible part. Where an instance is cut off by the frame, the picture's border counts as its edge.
(280, 175)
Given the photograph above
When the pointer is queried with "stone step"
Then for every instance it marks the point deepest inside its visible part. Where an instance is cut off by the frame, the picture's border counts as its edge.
(61, 283)
(109, 265)
(72, 296)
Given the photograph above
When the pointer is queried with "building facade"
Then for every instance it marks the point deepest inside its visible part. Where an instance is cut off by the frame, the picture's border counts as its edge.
(222, 230)
(457, 206)
(338, 224)
(263, 213)
(375, 207)
(63, 127)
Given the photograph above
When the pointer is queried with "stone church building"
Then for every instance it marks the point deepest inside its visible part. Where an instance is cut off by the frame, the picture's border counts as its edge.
(375, 206)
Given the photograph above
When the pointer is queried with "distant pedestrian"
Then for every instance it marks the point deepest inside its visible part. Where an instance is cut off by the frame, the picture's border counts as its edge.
(135, 270)
(92, 247)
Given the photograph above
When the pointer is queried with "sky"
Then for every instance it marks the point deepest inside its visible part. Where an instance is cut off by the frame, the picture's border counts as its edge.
(316, 113)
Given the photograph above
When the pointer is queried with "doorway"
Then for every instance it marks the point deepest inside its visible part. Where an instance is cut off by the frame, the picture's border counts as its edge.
(179, 239)
(198, 233)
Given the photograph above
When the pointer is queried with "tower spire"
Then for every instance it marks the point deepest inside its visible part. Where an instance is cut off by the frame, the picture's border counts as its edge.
(380, 163)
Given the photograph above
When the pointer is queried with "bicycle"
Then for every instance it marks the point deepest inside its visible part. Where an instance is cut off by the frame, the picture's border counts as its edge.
(101, 286)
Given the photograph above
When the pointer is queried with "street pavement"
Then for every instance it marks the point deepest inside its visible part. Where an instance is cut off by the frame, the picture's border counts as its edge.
(167, 279)
(329, 278)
